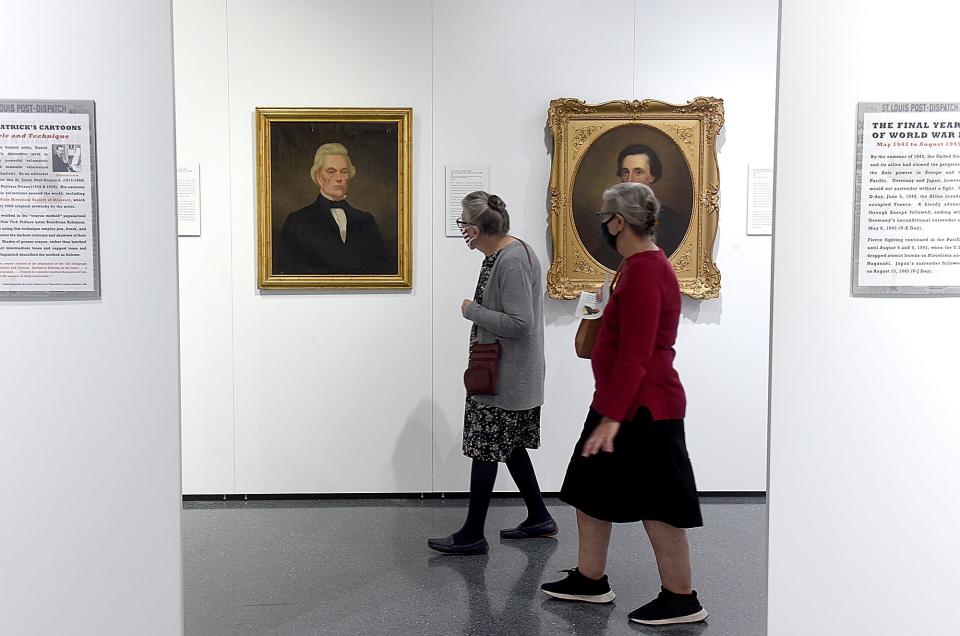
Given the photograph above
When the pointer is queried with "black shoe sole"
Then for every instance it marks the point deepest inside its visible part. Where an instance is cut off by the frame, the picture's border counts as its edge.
(509, 534)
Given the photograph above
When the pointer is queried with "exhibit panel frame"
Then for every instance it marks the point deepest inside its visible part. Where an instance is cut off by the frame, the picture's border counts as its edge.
(906, 213)
(337, 127)
(688, 132)
(49, 204)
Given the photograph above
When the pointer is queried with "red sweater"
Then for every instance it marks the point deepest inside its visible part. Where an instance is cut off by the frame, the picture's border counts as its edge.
(633, 355)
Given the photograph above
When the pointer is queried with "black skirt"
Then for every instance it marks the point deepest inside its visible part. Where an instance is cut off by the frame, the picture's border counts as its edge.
(648, 475)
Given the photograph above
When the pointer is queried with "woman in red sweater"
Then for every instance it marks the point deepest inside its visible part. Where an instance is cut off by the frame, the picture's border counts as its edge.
(631, 461)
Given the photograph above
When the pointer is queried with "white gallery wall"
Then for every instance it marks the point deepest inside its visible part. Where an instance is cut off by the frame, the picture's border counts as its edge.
(863, 439)
(361, 391)
(90, 539)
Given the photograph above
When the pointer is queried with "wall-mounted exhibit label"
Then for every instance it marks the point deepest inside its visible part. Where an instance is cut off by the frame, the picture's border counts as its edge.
(461, 181)
(907, 221)
(759, 201)
(48, 200)
(188, 200)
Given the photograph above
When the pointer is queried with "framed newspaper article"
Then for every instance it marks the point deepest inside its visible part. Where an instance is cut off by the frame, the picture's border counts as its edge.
(49, 239)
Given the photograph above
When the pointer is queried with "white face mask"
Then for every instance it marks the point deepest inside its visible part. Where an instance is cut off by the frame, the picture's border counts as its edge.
(466, 232)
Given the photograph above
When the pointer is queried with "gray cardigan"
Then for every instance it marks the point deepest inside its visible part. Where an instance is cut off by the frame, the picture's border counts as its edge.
(512, 311)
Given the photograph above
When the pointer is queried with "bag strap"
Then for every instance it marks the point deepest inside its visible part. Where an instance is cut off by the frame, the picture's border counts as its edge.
(526, 249)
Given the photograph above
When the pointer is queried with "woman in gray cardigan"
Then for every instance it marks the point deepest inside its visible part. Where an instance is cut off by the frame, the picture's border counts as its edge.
(507, 306)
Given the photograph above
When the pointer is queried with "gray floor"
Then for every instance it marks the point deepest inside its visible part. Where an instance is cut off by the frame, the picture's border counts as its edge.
(363, 567)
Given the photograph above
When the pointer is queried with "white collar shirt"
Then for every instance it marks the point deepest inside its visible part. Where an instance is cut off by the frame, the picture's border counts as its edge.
(341, 218)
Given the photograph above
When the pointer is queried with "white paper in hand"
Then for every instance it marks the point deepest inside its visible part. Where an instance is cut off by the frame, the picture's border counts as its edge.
(591, 304)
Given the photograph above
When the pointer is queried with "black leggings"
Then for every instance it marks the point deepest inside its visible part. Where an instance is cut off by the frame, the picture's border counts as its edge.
(483, 474)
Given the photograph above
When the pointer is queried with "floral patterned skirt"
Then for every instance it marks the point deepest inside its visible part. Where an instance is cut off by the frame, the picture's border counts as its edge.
(490, 433)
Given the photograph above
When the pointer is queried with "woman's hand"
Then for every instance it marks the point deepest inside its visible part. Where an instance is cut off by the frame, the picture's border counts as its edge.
(601, 439)
(464, 306)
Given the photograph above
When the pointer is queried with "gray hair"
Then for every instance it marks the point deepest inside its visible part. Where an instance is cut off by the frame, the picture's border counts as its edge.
(636, 203)
(487, 211)
(329, 149)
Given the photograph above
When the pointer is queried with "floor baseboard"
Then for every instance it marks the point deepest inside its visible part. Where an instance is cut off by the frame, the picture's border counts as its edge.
(414, 495)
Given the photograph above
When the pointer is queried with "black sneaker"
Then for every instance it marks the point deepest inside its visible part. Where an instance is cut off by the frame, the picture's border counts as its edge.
(577, 587)
(669, 608)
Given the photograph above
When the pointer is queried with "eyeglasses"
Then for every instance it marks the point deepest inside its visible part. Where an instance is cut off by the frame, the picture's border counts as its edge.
(600, 213)
(462, 224)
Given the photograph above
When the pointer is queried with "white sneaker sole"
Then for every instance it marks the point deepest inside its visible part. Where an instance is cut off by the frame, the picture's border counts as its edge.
(586, 598)
(692, 618)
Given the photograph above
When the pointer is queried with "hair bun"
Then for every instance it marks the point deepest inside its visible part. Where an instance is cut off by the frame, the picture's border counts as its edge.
(496, 203)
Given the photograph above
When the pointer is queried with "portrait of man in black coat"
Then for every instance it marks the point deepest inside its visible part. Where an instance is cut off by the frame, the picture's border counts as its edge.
(641, 154)
(330, 236)
(639, 163)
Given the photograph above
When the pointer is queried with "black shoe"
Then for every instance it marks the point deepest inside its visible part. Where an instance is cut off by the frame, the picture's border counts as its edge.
(546, 529)
(448, 545)
(577, 587)
(669, 608)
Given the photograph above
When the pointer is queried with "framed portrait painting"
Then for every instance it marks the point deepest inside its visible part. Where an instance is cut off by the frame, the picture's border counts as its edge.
(671, 148)
(334, 198)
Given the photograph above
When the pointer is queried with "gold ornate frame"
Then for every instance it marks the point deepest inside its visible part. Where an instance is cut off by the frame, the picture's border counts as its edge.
(694, 127)
(403, 118)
